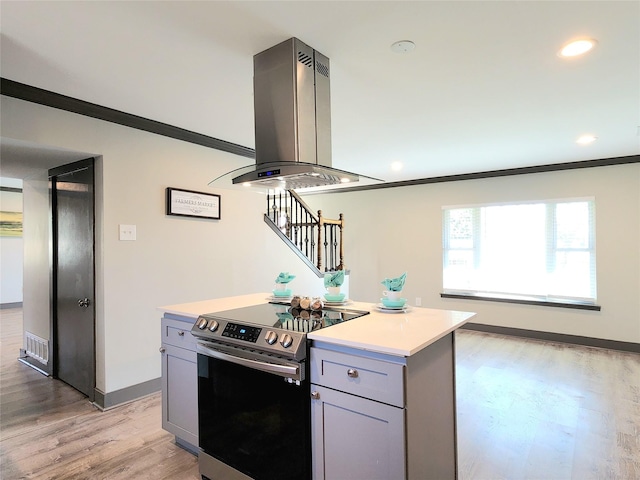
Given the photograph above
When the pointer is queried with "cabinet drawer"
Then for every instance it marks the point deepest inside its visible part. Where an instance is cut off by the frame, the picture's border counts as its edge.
(178, 333)
(365, 377)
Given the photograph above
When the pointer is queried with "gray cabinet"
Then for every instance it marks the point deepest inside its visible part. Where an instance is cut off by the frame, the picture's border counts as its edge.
(180, 382)
(356, 438)
(357, 417)
(379, 416)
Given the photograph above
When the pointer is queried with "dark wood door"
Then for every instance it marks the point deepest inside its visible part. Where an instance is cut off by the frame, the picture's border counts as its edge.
(72, 199)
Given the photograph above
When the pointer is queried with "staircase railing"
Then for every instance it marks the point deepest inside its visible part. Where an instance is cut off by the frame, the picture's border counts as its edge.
(317, 240)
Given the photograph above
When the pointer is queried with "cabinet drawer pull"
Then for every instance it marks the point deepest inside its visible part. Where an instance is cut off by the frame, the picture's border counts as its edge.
(315, 395)
(162, 350)
(352, 373)
(181, 333)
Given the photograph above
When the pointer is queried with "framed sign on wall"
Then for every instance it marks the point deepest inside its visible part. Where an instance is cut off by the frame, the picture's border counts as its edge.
(187, 203)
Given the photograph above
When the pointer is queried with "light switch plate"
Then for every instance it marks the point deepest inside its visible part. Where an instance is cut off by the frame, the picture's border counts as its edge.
(127, 232)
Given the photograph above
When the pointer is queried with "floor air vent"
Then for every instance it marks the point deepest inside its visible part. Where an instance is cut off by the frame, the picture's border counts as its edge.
(37, 347)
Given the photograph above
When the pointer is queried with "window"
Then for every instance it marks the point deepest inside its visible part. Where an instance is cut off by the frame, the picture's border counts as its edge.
(544, 250)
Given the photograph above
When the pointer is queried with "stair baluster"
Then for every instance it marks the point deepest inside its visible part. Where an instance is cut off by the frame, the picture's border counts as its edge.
(316, 240)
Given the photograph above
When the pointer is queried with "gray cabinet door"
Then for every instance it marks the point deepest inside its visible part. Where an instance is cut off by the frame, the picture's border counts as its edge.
(356, 438)
(180, 393)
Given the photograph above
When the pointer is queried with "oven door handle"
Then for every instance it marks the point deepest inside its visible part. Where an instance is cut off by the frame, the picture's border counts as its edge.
(289, 371)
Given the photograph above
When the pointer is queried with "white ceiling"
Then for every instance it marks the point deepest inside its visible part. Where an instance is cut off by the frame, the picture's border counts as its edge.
(483, 89)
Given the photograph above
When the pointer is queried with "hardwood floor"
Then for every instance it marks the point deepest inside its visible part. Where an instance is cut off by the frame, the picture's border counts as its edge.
(541, 410)
(48, 430)
(526, 410)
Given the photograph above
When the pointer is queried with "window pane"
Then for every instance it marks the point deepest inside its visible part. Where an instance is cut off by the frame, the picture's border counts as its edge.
(460, 259)
(458, 271)
(513, 253)
(572, 224)
(572, 275)
(461, 228)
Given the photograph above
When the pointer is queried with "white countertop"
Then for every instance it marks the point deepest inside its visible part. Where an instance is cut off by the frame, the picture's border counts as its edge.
(400, 334)
(393, 333)
(192, 310)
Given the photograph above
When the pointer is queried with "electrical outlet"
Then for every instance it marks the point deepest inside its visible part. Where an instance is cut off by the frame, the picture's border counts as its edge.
(418, 301)
(127, 232)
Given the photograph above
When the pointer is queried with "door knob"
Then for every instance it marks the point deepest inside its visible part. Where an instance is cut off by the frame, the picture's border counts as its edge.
(84, 302)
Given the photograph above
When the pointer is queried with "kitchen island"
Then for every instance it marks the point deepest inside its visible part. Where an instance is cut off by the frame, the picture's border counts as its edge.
(382, 389)
(393, 334)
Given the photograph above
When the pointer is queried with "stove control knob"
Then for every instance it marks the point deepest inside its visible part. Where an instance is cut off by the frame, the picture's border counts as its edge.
(202, 323)
(271, 337)
(286, 340)
(212, 325)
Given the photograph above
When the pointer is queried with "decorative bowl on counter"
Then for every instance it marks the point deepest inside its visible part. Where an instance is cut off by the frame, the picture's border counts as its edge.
(399, 303)
(334, 298)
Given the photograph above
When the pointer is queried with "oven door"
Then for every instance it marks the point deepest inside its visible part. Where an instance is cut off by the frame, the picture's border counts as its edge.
(252, 416)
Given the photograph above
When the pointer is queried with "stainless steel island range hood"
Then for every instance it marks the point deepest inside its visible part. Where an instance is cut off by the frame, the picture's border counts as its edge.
(292, 105)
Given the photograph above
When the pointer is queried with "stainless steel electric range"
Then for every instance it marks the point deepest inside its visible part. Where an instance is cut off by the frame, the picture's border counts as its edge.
(253, 390)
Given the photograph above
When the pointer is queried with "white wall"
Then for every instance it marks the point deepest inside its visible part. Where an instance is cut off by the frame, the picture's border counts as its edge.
(36, 308)
(174, 259)
(11, 248)
(390, 231)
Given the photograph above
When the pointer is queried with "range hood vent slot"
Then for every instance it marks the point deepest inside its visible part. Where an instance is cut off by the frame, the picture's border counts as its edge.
(305, 59)
(322, 69)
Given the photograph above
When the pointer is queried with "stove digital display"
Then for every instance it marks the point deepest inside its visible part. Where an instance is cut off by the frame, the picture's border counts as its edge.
(241, 332)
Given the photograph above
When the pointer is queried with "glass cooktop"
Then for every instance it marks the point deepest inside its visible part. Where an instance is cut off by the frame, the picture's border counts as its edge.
(283, 316)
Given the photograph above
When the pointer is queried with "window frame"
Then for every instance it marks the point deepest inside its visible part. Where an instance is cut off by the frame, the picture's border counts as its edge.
(551, 246)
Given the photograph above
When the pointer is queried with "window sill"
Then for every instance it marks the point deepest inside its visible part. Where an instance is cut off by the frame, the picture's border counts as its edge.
(524, 300)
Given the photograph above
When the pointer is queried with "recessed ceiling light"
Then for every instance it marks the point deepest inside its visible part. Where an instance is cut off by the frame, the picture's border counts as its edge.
(396, 166)
(403, 46)
(586, 139)
(577, 47)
